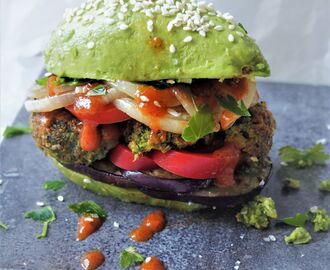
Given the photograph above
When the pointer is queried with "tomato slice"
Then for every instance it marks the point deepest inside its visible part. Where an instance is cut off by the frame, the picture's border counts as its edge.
(123, 158)
(109, 114)
(219, 165)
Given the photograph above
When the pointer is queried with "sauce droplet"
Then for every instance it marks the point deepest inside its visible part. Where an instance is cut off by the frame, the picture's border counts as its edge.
(92, 259)
(89, 136)
(156, 43)
(153, 223)
(152, 263)
(86, 226)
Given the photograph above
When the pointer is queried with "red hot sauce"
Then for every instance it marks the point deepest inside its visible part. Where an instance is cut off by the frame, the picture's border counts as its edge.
(92, 259)
(86, 226)
(152, 263)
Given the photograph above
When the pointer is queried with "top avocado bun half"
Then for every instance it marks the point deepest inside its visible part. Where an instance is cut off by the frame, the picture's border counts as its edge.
(151, 40)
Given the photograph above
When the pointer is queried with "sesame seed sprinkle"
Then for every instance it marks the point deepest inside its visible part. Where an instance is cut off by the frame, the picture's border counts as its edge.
(60, 198)
(87, 181)
(157, 104)
(172, 48)
(188, 39)
(231, 26)
(231, 38)
(144, 99)
(150, 25)
(90, 45)
(40, 204)
(123, 26)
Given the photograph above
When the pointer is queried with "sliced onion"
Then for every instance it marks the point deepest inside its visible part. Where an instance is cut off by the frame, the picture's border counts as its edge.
(112, 95)
(251, 98)
(37, 91)
(49, 104)
(165, 123)
(184, 95)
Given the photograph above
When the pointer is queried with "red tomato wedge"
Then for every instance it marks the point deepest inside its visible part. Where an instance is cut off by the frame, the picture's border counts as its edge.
(109, 114)
(123, 158)
(219, 165)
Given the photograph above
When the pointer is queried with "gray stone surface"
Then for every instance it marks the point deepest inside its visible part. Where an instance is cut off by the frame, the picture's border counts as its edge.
(206, 240)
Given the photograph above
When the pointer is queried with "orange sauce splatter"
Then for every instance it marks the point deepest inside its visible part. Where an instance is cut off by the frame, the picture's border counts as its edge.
(153, 223)
(92, 259)
(152, 263)
(227, 119)
(156, 43)
(86, 226)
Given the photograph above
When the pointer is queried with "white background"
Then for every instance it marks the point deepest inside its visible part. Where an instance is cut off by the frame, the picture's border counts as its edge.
(294, 36)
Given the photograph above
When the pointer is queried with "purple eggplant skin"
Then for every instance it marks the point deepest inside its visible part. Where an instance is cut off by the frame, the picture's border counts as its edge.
(135, 179)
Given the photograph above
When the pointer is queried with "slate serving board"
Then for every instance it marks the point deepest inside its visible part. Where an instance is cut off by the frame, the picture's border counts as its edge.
(211, 239)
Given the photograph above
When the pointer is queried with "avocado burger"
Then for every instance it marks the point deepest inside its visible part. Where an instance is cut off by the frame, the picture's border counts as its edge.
(155, 102)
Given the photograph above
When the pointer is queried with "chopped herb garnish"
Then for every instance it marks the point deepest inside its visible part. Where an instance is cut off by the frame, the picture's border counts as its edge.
(42, 81)
(291, 183)
(321, 219)
(325, 185)
(257, 213)
(97, 91)
(44, 215)
(298, 236)
(16, 130)
(200, 125)
(231, 104)
(88, 208)
(3, 226)
(298, 221)
(129, 256)
(69, 81)
(292, 156)
(54, 185)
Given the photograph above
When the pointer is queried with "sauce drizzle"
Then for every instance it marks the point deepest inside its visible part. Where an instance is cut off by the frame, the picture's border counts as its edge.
(152, 263)
(86, 226)
(92, 259)
(153, 223)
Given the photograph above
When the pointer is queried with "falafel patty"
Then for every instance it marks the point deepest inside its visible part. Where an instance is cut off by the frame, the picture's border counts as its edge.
(57, 134)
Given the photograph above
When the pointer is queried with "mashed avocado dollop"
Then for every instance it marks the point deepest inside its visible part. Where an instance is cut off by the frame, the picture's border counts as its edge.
(298, 236)
(257, 213)
(320, 219)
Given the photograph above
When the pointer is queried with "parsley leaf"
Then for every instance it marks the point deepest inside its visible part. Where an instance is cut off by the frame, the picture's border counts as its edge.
(89, 208)
(200, 125)
(303, 158)
(129, 256)
(231, 104)
(45, 215)
(291, 183)
(97, 91)
(54, 185)
(16, 130)
(325, 185)
(42, 81)
(3, 226)
(298, 221)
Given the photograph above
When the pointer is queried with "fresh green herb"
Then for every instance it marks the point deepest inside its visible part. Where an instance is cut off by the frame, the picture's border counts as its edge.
(241, 25)
(298, 221)
(231, 104)
(69, 81)
(88, 208)
(325, 185)
(16, 130)
(42, 81)
(200, 125)
(97, 91)
(44, 215)
(320, 219)
(290, 155)
(54, 185)
(3, 226)
(298, 236)
(257, 213)
(129, 256)
(291, 183)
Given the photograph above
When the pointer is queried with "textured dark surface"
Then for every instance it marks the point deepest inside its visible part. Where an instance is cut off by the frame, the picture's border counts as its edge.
(205, 240)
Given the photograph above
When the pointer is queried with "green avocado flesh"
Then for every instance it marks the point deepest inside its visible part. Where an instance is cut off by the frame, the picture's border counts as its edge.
(90, 44)
(124, 194)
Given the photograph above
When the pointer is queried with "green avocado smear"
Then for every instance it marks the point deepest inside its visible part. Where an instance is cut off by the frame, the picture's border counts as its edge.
(95, 43)
(124, 194)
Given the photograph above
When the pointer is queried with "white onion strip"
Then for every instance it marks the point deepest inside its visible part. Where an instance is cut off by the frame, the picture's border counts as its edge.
(49, 104)
(165, 123)
(185, 97)
(38, 91)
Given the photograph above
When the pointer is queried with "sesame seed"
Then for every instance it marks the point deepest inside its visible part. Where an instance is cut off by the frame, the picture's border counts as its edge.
(313, 209)
(188, 39)
(202, 33)
(173, 112)
(231, 26)
(172, 48)
(121, 16)
(218, 28)
(200, 256)
(214, 207)
(157, 104)
(150, 26)
(321, 141)
(123, 26)
(266, 239)
(189, 203)
(242, 236)
(239, 33)
(144, 98)
(40, 204)
(170, 27)
(60, 198)
(116, 224)
(90, 45)
(89, 219)
(175, 62)
(109, 21)
(231, 38)
(87, 181)
(272, 238)
(236, 267)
